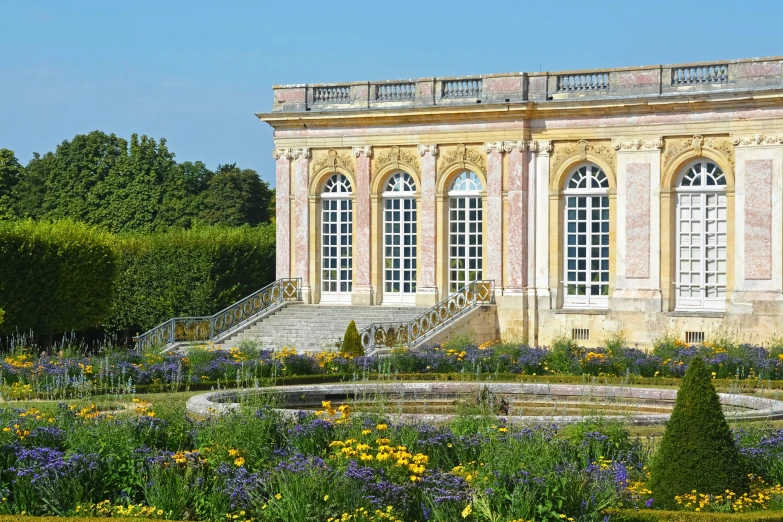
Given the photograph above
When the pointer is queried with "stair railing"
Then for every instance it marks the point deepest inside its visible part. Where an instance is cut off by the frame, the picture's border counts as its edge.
(209, 328)
(386, 335)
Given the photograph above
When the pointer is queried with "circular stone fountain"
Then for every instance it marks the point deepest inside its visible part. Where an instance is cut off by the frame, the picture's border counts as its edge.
(518, 403)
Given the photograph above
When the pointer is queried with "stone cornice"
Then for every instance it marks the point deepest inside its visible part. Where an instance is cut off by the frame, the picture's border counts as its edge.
(366, 149)
(756, 139)
(432, 149)
(637, 144)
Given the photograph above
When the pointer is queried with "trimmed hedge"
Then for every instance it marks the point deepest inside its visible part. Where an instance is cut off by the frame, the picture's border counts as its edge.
(188, 273)
(654, 515)
(54, 277)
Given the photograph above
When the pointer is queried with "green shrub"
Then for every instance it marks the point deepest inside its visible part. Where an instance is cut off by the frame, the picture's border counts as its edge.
(654, 515)
(54, 277)
(188, 273)
(563, 354)
(352, 343)
(698, 450)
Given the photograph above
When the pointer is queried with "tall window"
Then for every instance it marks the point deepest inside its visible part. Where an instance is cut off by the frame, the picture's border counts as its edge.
(336, 240)
(399, 240)
(586, 238)
(465, 231)
(701, 237)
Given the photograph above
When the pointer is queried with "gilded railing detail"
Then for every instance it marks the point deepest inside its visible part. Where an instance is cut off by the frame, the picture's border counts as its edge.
(387, 335)
(208, 328)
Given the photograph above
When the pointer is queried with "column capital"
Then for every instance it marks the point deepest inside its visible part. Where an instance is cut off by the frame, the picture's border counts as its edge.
(520, 145)
(542, 147)
(302, 151)
(493, 145)
(634, 144)
(432, 149)
(756, 139)
(277, 153)
(366, 149)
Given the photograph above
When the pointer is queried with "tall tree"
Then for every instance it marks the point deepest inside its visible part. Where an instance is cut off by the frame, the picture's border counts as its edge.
(30, 192)
(235, 197)
(10, 173)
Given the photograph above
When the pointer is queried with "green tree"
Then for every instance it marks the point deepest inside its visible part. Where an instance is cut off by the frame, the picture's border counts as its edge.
(29, 194)
(352, 343)
(10, 173)
(698, 450)
(235, 197)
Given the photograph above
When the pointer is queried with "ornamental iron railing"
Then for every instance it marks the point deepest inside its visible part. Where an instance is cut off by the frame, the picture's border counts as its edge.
(209, 328)
(387, 335)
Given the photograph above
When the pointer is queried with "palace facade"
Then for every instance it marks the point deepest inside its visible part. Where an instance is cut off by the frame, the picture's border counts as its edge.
(641, 199)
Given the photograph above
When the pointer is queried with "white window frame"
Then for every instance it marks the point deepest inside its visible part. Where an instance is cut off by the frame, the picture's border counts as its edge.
(401, 189)
(467, 187)
(337, 191)
(718, 223)
(588, 300)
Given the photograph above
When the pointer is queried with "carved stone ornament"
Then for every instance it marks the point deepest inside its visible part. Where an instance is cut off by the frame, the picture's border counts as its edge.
(756, 139)
(295, 153)
(367, 150)
(676, 147)
(432, 149)
(637, 144)
(520, 145)
(494, 145)
(581, 149)
(542, 147)
(397, 157)
(331, 159)
(277, 153)
(461, 156)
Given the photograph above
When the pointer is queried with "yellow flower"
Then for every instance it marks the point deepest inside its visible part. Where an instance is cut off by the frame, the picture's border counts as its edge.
(278, 496)
(239, 461)
(326, 497)
(381, 427)
(467, 511)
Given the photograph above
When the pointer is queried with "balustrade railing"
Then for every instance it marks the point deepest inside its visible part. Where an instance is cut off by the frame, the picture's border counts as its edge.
(395, 91)
(208, 328)
(700, 74)
(387, 335)
(471, 88)
(332, 94)
(583, 82)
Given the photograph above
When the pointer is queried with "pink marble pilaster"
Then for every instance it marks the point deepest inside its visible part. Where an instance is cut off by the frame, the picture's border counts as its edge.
(427, 212)
(283, 212)
(362, 213)
(758, 219)
(302, 207)
(637, 221)
(494, 213)
(516, 264)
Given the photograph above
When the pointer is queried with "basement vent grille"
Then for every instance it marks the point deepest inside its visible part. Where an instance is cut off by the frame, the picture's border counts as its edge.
(580, 334)
(694, 337)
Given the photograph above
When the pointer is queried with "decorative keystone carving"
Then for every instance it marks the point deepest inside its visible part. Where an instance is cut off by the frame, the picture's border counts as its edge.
(496, 145)
(461, 156)
(432, 149)
(304, 152)
(332, 159)
(276, 153)
(580, 149)
(676, 147)
(756, 139)
(637, 144)
(367, 150)
(397, 157)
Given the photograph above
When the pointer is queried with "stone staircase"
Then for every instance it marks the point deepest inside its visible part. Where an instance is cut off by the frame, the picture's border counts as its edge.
(315, 327)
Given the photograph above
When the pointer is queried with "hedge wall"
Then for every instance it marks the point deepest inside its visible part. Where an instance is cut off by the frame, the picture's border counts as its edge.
(54, 277)
(654, 515)
(188, 272)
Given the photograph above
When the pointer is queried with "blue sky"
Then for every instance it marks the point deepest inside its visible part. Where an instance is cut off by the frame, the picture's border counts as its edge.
(195, 72)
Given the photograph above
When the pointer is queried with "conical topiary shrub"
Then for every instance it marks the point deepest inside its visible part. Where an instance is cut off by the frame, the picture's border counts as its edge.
(698, 450)
(352, 343)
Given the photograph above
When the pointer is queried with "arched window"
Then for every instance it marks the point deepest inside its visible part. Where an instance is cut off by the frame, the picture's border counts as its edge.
(701, 237)
(399, 239)
(336, 240)
(465, 231)
(586, 238)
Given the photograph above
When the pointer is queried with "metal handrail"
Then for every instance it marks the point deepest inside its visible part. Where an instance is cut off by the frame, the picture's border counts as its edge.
(208, 328)
(447, 311)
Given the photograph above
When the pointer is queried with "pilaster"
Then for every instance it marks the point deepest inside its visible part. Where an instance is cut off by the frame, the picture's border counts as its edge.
(282, 212)
(542, 151)
(362, 288)
(517, 249)
(494, 214)
(426, 288)
(301, 157)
